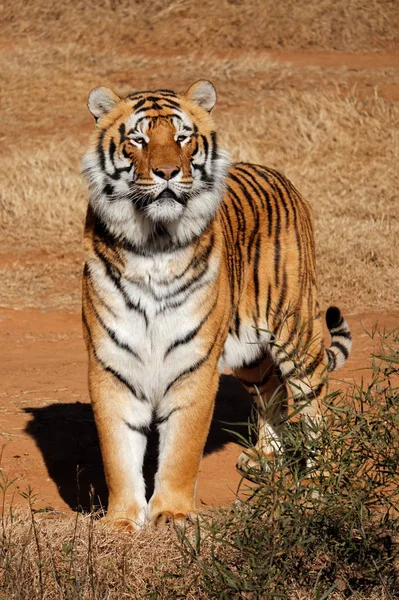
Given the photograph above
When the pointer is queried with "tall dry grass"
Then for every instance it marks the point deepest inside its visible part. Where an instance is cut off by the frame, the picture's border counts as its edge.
(332, 130)
(184, 24)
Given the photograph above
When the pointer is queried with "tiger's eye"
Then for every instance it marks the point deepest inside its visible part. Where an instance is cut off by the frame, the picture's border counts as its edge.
(182, 138)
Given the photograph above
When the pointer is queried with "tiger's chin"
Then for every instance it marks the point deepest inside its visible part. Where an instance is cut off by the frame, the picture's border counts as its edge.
(164, 210)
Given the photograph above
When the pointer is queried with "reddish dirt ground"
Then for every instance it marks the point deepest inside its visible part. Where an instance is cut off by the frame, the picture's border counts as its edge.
(46, 425)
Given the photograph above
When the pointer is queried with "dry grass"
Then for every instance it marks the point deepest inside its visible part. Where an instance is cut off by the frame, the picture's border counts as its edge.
(338, 148)
(325, 127)
(49, 556)
(180, 24)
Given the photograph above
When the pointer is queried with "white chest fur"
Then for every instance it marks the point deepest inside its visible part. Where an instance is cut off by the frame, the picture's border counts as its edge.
(148, 315)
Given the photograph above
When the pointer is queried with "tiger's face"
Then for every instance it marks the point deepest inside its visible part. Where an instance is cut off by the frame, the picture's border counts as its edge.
(154, 164)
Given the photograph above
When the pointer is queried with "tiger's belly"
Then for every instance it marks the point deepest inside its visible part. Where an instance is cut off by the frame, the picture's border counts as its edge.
(244, 348)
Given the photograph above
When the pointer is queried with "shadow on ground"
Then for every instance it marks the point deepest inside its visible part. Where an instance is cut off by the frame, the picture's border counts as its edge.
(66, 436)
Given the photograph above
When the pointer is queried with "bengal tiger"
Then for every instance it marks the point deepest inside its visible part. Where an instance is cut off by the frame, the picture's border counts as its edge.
(192, 266)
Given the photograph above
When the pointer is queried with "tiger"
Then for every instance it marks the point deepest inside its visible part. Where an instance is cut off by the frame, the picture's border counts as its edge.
(193, 265)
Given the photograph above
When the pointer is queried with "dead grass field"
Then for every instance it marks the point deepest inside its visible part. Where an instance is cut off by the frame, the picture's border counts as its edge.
(329, 122)
(310, 88)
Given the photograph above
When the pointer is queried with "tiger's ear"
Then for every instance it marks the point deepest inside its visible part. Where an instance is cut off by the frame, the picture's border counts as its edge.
(101, 101)
(202, 93)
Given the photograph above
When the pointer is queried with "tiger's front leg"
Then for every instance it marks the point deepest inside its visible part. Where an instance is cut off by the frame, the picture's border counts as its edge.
(122, 422)
(183, 429)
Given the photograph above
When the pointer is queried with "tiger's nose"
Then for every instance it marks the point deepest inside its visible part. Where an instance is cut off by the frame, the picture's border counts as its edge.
(167, 172)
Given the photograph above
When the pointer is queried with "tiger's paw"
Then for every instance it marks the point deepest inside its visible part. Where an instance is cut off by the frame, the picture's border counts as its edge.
(251, 462)
(126, 520)
(123, 524)
(167, 517)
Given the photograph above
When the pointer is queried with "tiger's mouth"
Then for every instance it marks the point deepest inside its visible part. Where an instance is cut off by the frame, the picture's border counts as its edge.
(166, 201)
(169, 195)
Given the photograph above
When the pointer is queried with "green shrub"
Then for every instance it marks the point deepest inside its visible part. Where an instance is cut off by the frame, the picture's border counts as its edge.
(328, 531)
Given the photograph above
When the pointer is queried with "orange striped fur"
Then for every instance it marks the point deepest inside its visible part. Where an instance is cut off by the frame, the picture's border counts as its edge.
(192, 266)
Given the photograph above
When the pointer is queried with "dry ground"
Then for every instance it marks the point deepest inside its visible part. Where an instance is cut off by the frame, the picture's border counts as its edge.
(310, 88)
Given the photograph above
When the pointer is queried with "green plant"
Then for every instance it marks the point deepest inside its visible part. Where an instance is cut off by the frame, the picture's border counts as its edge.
(327, 531)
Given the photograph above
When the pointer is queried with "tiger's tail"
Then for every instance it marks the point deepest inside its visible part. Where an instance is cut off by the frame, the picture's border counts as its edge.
(341, 339)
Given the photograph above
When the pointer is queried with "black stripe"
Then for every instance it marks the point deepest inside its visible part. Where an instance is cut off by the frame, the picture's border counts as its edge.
(189, 336)
(195, 151)
(122, 132)
(116, 280)
(153, 98)
(298, 244)
(196, 260)
(142, 429)
(293, 332)
(332, 359)
(112, 333)
(204, 175)
(252, 206)
(228, 219)
(238, 209)
(256, 281)
(169, 103)
(186, 286)
(284, 184)
(237, 322)
(164, 92)
(230, 258)
(172, 305)
(268, 301)
(191, 369)
(277, 252)
(100, 150)
(214, 146)
(281, 301)
(309, 370)
(109, 369)
(250, 179)
(195, 366)
(277, 231)
(206, 146)
(342, 333)
(237, 265)
(161, 420)
(139, 104)
(111, 150)
(140, 120)
(312, 395)
(100, 300)
(116, 175)
(266, 196)
(315, 393)
(341, 348)
(258, 361)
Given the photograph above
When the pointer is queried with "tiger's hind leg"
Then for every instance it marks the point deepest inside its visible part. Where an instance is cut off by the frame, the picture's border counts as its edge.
(264, 383)
(299, 354)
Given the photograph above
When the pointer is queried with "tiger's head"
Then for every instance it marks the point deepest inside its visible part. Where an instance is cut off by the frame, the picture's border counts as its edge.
(154, 168)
